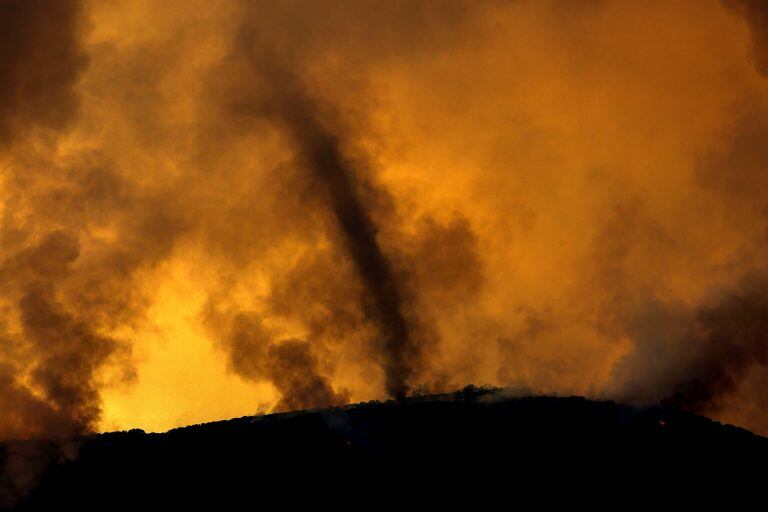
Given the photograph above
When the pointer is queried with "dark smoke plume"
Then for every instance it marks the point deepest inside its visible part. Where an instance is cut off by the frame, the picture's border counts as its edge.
(697, 357)
(289, 364)
(322, 155)
(694, 360)
(293, 369)
(728, 335)
(65, 289)
(729, 338)
(288, 103)
(269, 85)
(40, 61)
(57, 352)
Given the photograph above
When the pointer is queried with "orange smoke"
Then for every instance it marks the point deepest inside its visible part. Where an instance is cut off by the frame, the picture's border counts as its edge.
(211, 207)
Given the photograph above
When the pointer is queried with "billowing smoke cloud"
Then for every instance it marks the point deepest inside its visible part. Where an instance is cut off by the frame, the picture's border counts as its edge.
(309, 203)
(75, 234)
(47, 358)
(730, 337)
(68, 295)
(66, 352)
(697, 356)
(293, 369)
(696, 360)
(289, 364)
(40, 63)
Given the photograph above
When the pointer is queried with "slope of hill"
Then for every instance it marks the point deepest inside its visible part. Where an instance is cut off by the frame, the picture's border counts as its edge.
(465, 440)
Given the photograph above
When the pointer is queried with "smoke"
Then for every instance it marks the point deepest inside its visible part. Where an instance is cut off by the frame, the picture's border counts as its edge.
(40, 61)
(70, 298)
(755, 13)
(696, 359)
(76, 235)
(292, 368)
(86, 233)
(731, 338)
(697, 356)
(339, 184)
(320, 152)
(311, 203)
(289, 364)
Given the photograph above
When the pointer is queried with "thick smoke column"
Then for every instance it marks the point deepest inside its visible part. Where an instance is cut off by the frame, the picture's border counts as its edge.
(65, 351)
(48, 359)
(75, 233)
(40, 60)
(322, 153)
(267, 86)
(289, 104)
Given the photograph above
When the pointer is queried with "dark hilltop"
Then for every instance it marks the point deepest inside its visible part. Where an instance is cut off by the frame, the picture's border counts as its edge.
(460, 442)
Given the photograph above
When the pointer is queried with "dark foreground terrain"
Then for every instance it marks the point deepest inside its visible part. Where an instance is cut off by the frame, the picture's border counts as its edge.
(470, 442)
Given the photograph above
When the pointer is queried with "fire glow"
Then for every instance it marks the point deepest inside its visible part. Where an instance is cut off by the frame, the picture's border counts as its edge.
(208, 207)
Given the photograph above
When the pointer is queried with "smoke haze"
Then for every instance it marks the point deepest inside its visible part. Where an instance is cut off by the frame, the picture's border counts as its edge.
(209, 205)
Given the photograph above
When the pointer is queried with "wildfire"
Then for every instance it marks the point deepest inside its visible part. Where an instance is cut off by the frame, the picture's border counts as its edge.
(210, 205)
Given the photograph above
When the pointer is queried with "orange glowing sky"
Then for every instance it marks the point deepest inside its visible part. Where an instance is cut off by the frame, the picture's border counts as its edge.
(551, 175)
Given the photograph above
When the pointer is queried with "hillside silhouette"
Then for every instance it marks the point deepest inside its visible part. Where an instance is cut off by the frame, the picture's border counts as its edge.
(468, 441)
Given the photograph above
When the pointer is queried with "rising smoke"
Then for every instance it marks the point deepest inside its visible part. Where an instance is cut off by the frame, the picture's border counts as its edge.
(66, 290)
(361, 196)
